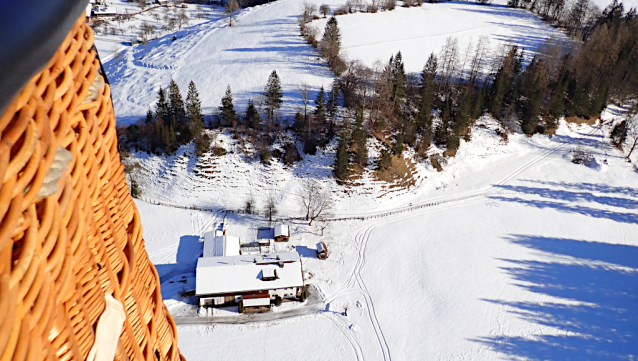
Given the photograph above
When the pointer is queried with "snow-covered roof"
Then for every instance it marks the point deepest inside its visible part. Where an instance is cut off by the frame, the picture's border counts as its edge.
(219, 275)
(220, 246)
(282, 230)
(265, 233)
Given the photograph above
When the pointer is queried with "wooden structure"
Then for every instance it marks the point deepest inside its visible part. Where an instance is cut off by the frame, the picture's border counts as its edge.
(322, 250)
(69, 231)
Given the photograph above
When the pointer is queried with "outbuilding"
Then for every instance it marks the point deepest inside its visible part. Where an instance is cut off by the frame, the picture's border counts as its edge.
(282, 233)
(322, 250)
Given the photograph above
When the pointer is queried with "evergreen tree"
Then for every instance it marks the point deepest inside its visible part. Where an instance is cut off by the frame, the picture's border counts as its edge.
(428, 78)
(194, 110)
(440, 135)
(252, 115)
(149, 117)
(333, 99)
(320, 103)
(162, 109)
(462, 120)
(228, 115)
(193, 104)
(273, 95)
(399, 145)
(340, 168)
(360, 137)
(479, 103)
(175, 103)
(331, 41)
(398, 80)
(503, 81)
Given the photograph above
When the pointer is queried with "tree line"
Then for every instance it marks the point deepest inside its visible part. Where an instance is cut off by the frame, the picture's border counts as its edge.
(562, 79)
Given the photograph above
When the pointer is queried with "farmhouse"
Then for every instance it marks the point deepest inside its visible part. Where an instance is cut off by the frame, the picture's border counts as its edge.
(258, 278)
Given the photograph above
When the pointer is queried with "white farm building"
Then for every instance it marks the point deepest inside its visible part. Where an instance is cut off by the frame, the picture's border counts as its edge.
(259, 278)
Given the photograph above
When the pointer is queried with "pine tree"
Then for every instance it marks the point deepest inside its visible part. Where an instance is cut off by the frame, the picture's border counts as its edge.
(193, 104)
(252, 115)
(320, 103)
(331, 41)
(175, 103)
(398, 80)
(428, 77)
(228, 115)
(340, 168)
(360, 137)
(479, 103)
(273, 94)
(333, 99)
(149, 117)
(162, 109)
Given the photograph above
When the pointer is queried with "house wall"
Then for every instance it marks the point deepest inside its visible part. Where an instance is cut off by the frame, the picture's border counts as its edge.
(284, 292)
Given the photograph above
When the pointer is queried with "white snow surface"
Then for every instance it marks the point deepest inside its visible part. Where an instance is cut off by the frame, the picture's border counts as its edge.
(523, 255)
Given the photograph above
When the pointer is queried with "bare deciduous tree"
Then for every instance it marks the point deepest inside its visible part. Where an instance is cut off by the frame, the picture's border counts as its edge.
(146, 31)
(324, 9)
(316, 202)
(304, 92)
(309, 12)
(270, 206)
(249, 205)
(632, 130)
(231, 7)
(181, 18)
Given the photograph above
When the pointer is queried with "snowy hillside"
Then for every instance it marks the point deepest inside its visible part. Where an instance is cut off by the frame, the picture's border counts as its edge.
(522, 254)
(267, 38)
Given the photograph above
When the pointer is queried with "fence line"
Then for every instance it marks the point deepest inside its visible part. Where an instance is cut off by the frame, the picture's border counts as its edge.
(339, 219)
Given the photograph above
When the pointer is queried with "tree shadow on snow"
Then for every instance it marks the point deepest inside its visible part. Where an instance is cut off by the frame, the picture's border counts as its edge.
(188, 251)
(598, 318)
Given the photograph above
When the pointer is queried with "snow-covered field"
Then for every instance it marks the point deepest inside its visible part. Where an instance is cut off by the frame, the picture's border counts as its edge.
(419, 31)
(532, 257)
(114, 35)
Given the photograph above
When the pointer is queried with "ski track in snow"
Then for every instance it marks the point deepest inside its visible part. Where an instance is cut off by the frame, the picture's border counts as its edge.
(363, 235)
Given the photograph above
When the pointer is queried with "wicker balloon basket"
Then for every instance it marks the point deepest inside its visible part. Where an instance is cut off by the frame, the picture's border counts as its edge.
(70, 233)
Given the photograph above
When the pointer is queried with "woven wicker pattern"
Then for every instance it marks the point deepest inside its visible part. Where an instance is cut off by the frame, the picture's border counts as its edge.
(60, 253)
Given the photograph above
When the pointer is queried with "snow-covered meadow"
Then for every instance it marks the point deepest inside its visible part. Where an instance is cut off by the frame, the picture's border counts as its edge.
(419, 31)
(521, 253)
(524, 255)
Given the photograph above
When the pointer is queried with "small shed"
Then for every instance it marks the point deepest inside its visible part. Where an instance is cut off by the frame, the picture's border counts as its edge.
(282, 233)
(322, 250)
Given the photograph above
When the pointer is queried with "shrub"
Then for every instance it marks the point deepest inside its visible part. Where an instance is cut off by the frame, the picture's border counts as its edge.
(265, 156)
(219, 151)
(278, 300)
(385, 161)
(437, 162)
(291, 154)
(342, 10)
(389, 5)
(310, 146)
